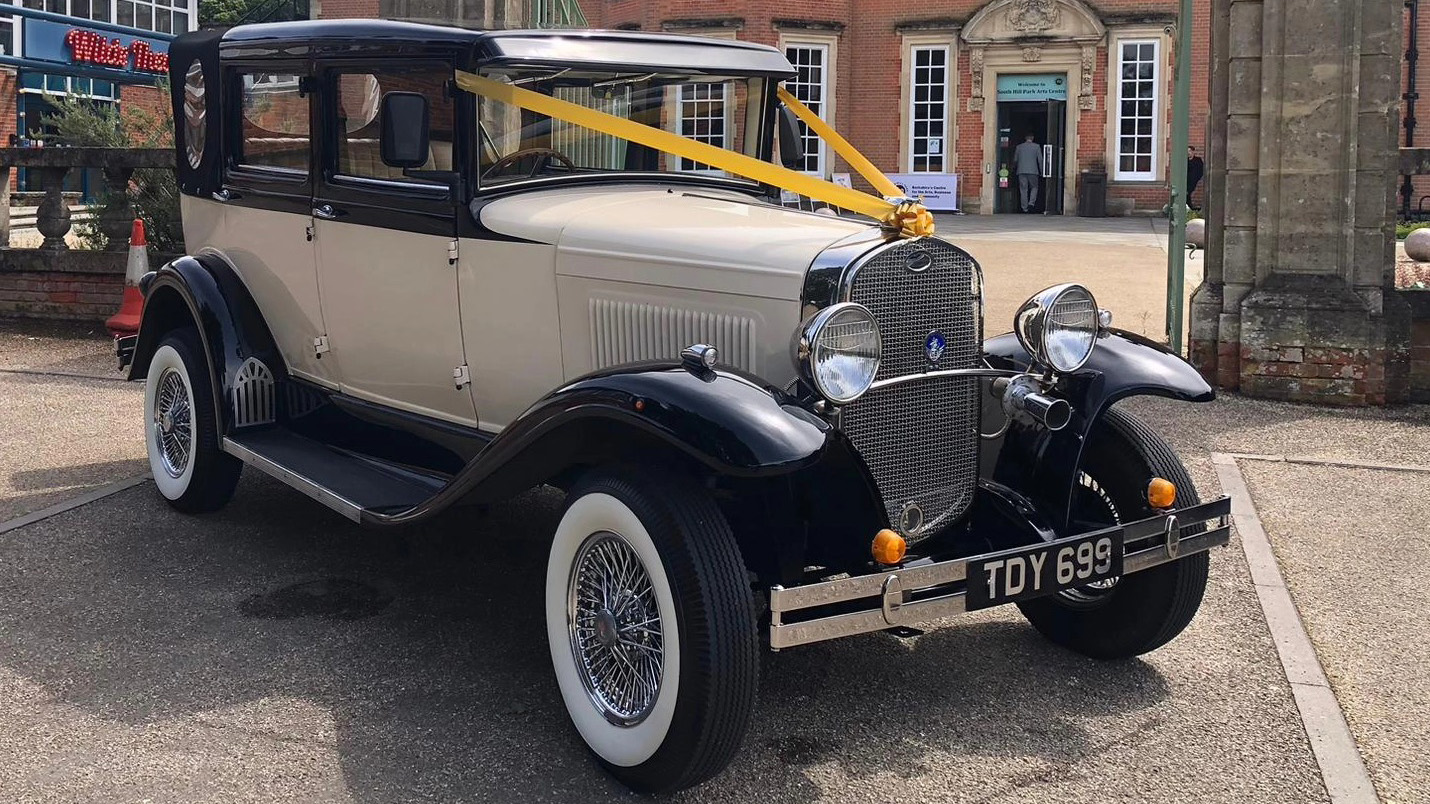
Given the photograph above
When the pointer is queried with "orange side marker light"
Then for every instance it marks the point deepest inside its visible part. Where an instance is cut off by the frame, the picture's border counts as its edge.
(889, 547)
(1161, 493)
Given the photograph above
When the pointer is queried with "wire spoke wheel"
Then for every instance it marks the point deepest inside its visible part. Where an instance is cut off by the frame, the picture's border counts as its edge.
(173, 423)
(615, 628)
(1094, 504)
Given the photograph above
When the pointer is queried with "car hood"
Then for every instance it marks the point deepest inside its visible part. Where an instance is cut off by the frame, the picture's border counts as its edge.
(675, 236)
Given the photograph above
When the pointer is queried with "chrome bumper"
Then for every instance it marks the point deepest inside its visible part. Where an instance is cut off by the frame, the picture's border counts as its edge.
(918, 593)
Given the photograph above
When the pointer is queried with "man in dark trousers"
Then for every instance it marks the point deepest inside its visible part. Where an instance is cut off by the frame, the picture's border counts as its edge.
(1195, 170)
(1028, 164)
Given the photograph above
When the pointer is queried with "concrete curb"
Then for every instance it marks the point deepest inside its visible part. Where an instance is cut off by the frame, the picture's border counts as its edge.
(1342, 769)
(83, 499)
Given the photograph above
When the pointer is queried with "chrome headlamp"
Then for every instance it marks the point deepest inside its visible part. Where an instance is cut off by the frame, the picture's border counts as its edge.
(1059, 326)
(837, 351)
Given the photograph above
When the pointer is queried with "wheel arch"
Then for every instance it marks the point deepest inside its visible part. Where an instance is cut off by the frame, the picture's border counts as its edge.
(206, 293)
(1042, 463)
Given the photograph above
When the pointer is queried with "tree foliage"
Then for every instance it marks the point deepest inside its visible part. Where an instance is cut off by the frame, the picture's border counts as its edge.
(154, 192)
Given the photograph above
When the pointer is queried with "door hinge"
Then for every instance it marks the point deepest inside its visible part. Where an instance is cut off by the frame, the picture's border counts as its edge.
(461, 377)
(320, 346)
(309, 231)
(452, 252)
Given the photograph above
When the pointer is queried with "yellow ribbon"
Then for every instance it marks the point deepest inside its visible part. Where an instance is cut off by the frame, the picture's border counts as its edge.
(905, 215)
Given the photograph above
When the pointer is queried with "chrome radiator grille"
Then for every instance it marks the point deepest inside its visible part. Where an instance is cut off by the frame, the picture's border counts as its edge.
(920, 438)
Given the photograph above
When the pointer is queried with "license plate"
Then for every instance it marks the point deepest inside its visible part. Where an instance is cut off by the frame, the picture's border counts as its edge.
(1042, 569)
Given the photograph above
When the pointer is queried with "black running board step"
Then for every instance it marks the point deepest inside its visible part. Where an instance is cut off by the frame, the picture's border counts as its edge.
(344, 482)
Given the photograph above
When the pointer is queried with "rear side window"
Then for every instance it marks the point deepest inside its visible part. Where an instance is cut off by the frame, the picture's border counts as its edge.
(358, 96)
(275, 127)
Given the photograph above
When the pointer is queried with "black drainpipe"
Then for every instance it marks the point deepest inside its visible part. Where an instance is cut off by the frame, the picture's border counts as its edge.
(1412, 57)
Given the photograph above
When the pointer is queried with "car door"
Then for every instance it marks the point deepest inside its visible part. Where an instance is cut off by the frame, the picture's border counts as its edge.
(267, 205)
(386, 246)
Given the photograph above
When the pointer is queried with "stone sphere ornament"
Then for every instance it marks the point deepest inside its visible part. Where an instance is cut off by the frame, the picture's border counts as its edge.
(1197, 233)
(1417, 245)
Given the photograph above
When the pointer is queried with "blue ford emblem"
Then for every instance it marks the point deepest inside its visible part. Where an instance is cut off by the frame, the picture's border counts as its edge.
(934, 345)
(919, 261)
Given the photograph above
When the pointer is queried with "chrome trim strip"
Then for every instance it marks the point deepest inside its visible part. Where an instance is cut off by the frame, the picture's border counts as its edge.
(933, 375)
(888, 593)
(322, 494)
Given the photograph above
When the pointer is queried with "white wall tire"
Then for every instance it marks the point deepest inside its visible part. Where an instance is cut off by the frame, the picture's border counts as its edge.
(180, 431)
(707, 638)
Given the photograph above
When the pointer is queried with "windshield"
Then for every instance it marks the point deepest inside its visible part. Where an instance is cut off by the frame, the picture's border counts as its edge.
(518, 144)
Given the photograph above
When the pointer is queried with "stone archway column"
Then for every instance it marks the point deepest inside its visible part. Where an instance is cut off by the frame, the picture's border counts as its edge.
(1299, 300)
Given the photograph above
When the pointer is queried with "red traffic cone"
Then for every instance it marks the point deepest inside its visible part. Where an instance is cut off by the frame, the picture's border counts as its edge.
(126, 321)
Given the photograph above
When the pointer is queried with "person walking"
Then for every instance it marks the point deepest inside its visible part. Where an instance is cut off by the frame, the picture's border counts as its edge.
(1028, 164)
(1196, 168)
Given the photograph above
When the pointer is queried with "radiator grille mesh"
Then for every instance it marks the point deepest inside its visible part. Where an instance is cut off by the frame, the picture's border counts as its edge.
(920, 439)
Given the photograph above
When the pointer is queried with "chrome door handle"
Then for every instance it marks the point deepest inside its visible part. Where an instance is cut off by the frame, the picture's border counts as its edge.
(325, 211)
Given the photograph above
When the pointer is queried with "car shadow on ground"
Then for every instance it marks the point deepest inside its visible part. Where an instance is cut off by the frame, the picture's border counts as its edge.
(427, 650)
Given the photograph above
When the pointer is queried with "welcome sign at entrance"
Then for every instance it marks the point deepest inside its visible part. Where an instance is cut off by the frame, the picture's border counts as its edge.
(1038, 87)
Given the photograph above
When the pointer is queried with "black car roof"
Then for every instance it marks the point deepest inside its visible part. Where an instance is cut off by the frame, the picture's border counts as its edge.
(532, 48)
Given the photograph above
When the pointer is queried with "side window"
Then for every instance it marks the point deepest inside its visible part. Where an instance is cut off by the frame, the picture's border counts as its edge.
(358, 96)
(275, 127)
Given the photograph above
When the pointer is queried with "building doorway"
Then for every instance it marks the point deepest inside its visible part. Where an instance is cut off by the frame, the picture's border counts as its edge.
(1035, 105)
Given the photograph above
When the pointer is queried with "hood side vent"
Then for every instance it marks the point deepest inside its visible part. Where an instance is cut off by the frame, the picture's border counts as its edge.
(626, 332)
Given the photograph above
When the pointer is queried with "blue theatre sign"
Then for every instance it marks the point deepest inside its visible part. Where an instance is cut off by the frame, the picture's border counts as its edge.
(61, 45)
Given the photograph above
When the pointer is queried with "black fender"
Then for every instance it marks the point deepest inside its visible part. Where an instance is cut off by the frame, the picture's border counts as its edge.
(1043, 464)
(800, 491)
(204, 292)
(724, 420)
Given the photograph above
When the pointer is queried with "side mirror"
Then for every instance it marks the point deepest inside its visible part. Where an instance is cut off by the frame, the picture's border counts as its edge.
(791, 143)
(405, 121)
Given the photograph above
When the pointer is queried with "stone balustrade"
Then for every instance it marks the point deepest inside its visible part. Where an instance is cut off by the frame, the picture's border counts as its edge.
(53, 164)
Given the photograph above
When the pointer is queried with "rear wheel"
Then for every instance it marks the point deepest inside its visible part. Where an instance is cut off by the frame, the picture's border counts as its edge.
(651, 625)
(1136, 613)
(180, 429)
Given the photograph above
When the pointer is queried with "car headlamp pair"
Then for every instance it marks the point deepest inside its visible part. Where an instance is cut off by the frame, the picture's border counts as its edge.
(837, 350)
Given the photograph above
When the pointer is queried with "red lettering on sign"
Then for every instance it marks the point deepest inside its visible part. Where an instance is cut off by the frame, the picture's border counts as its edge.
(88, 47)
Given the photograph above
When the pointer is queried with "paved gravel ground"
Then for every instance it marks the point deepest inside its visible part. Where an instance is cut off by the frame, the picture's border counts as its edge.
(275, 652)
(1356, 555)
(62, 433)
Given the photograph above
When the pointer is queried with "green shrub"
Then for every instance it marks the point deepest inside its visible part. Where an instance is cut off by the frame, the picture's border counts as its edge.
(154, 192)
(1403, 230)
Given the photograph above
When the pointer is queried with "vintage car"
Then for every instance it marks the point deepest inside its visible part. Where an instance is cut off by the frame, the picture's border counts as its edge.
(430, 267)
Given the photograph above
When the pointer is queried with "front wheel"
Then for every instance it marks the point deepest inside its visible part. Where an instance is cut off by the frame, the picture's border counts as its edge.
(1136, 613)
(651, 625)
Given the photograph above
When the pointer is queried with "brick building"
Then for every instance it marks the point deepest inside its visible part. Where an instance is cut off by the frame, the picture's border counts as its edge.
(947, 87)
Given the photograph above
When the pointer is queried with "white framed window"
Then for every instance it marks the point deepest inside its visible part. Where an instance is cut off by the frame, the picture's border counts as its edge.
(928, 108)
(7, 31)
(811, 86)
(1136, 138)
(702, 115)
(164, 16)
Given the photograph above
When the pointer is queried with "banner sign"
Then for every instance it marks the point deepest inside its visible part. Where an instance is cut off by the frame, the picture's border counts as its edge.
(1038, 87)
(939, 191)
(57, 42)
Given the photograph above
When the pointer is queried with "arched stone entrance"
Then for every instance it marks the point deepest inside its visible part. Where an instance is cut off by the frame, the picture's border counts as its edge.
(1043, 42)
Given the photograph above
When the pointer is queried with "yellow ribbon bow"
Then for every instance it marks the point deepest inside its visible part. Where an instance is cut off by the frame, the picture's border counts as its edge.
(904, 215)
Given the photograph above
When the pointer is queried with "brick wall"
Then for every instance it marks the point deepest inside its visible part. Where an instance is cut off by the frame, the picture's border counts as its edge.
(148, 107)
(869, 63)
(74, 285)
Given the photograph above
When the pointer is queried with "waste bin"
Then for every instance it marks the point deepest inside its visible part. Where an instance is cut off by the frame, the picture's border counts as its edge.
(1092, 194)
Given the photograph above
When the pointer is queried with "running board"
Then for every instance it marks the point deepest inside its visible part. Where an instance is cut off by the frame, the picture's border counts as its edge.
(346, 483)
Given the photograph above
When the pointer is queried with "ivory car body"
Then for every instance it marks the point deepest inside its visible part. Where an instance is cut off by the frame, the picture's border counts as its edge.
(774, 426)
